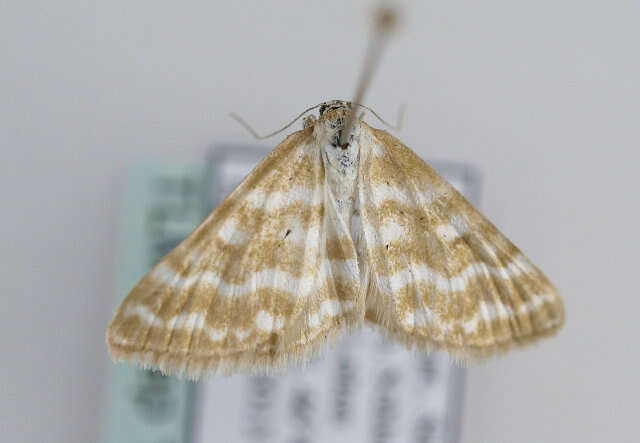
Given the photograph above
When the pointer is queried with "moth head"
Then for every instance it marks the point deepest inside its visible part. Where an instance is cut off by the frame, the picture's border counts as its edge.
(333, 117)
(334, 105)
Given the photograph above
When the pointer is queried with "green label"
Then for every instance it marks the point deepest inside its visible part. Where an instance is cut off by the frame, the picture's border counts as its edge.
(163, 204)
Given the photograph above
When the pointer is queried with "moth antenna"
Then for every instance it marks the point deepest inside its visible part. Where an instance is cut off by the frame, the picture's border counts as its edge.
(399, 118)
(385, 20)
(246, 125)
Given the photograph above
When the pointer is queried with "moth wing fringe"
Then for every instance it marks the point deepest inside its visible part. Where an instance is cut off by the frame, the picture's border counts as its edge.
(196, 367)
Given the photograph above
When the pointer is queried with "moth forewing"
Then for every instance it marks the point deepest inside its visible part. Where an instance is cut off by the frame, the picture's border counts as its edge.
(253, 287)
(444, 276)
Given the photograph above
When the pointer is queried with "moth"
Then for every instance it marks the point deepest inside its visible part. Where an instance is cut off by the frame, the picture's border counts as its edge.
(340, 225)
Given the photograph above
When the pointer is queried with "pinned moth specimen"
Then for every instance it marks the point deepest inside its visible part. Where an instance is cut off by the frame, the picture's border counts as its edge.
(340, 225)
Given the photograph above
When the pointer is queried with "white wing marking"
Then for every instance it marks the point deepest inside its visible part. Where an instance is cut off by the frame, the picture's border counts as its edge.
(267, 278)
(423, 273)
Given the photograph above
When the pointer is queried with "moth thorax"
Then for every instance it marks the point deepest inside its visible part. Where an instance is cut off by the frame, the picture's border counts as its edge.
(341, 160)
(341, 170)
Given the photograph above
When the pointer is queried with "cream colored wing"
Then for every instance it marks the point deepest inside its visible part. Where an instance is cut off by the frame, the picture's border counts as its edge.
(443, 276)
(257, 284)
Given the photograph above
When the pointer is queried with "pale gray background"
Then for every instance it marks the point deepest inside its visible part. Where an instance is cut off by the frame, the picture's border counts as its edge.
(541, 95)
